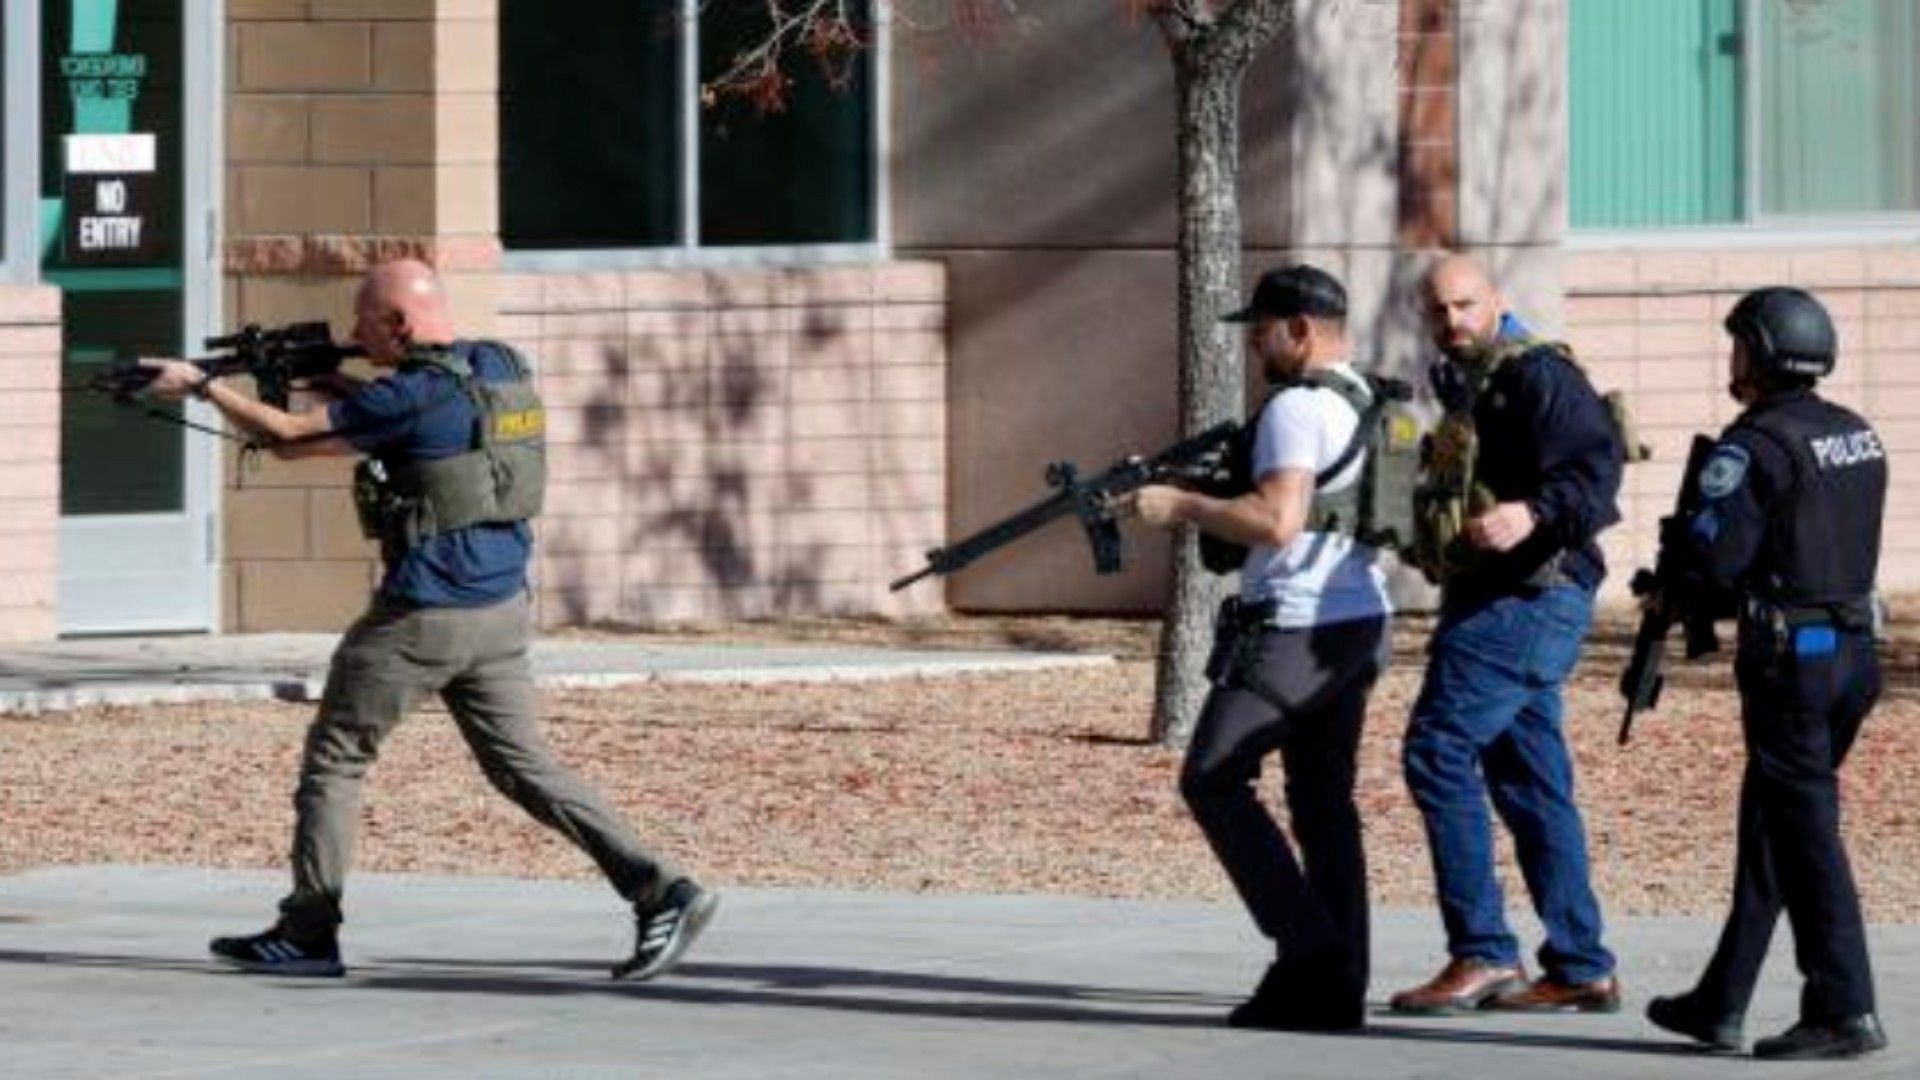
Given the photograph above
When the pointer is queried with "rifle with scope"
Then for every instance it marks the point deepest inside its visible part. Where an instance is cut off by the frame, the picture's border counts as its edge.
(1091, 500)
(276, 357)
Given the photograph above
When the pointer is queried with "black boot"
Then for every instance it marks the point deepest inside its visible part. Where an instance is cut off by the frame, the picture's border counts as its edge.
(1805, 1041)
(1302, 996)
(1684, 1014)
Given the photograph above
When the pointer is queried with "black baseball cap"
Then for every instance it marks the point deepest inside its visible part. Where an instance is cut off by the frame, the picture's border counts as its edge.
(1294, 290)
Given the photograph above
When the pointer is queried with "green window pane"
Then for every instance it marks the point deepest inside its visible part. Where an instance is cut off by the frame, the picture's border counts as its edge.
(113, 460)
(111, 68)
(801, 174)
(589, 123)
(1654, 113)
(1838, 107)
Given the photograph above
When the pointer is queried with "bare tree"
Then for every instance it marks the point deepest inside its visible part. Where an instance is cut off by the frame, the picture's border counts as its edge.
(1211, 43)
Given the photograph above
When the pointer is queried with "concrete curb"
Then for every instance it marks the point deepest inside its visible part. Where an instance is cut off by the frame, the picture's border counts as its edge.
(156, 671)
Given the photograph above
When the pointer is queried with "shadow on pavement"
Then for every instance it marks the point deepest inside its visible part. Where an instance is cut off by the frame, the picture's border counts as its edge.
(823, 988)
(775, 986)
(1482, 1037)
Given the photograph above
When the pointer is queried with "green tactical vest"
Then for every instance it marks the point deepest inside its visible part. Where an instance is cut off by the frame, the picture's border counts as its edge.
(501, 478)
(1375, 508)
(1448, 493)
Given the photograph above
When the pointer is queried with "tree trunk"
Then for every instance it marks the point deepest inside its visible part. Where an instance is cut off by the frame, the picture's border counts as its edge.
(1211, 383)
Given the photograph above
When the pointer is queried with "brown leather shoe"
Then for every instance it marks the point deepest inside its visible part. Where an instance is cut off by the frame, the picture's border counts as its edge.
(1548, 994)
(1463, 985)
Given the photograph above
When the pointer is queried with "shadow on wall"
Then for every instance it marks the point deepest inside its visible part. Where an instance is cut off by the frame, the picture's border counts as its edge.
(1517, 126)
(684, 471)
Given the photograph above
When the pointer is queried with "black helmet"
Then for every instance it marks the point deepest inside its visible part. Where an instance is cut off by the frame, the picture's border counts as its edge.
(1786, 331)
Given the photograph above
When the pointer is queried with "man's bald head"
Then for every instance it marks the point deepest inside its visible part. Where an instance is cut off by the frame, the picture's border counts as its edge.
(1462, 306)
(401, 303)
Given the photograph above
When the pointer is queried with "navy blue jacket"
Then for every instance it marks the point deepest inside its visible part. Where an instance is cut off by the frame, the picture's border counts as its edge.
(1546, 440)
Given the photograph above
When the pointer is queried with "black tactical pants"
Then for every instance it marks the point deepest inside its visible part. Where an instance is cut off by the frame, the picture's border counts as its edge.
(1800, 714)
(1310, 704)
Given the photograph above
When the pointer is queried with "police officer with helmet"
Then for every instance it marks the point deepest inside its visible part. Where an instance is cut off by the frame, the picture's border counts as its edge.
(1785, 530)
(454, 435)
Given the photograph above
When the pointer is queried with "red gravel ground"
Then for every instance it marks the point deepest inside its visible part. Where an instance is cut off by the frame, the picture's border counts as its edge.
(1038, 782)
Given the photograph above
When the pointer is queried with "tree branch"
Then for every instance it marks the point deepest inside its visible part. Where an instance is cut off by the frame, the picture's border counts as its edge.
(825, 28)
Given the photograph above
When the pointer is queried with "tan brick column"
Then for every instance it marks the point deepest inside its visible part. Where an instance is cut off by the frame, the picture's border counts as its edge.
(29, 462)
(356, 130)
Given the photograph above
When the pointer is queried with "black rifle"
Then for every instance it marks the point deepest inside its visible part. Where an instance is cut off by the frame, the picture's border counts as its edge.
(1091, 500)
(276, 357)
(1642, 681)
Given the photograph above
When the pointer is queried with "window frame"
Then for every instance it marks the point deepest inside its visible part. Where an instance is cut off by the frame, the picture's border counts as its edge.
(688, 252)
(20, 176)
(1758, 228)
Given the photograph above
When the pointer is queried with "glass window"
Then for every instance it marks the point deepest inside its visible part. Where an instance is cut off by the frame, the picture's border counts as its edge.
(1838, 107)
(589, 123)
(604, 142)
(1723, 112)
(111, 159)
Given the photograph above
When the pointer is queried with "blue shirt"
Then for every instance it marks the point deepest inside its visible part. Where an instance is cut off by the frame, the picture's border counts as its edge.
(419, 413)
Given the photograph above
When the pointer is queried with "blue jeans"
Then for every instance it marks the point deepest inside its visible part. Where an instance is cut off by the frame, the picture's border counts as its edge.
(1488, 723)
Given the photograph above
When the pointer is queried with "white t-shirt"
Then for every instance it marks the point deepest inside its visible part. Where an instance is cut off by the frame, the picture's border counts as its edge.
(1320, 578)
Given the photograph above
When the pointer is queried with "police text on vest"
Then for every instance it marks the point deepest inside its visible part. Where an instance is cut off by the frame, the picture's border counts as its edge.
(1840, 451)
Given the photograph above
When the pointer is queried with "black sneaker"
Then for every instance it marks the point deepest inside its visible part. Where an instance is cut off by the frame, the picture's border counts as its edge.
(1683, 1014)
(1849, 1038)
(664, 932)
(273, 953)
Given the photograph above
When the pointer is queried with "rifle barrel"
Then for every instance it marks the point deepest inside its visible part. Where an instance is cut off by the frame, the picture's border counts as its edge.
(903, 582)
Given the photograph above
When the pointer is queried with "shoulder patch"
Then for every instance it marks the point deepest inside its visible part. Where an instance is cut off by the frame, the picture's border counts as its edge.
(1725, 470)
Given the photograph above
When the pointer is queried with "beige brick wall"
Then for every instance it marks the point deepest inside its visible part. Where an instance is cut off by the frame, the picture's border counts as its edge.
(356, 131)
(736, 444)
(1649, 323)
(29, 462)
(349, 122)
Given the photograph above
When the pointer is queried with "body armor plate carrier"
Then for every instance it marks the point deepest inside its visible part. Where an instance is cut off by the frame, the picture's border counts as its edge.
(1375, 509)
(501, 477)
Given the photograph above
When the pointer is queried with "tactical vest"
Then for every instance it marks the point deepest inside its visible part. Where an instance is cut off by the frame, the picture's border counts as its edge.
(1375, 508)
(501, 477)
(1822, 544)
(1449, 493)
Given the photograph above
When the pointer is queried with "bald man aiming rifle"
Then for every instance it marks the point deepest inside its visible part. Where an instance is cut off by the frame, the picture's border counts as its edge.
(453, 436)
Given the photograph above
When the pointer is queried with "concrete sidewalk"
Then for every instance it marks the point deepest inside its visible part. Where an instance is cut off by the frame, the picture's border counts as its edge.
(293, 667)
(104, 973)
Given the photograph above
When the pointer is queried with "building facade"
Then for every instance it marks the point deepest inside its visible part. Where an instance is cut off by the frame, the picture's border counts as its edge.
(786, 353)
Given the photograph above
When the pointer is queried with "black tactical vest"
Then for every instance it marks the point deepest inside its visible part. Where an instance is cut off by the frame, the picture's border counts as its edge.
(1822, 543)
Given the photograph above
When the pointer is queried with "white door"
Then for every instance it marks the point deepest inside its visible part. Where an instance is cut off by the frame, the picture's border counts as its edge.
(129, 146)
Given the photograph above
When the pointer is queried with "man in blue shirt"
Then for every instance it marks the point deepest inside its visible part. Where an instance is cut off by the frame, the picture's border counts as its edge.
(1513, 612)
(455, 431)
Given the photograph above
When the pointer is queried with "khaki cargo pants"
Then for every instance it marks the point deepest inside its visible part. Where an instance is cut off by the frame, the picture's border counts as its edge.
(475, 659)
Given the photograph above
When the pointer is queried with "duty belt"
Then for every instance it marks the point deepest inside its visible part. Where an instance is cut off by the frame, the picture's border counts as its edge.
(1780, 622)
(1860, 613)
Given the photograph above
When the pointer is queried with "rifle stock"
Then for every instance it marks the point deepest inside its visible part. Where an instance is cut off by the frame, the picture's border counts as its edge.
(1090, 500)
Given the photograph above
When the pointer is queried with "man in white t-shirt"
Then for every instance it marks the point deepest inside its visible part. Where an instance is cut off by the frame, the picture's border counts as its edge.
(1295, 656)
